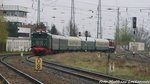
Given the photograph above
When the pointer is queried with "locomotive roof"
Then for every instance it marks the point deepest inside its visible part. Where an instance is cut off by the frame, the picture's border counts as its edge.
(73, 38)
(58, 36)
(101, 40)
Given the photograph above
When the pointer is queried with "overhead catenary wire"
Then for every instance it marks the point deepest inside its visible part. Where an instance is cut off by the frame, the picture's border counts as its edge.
(65, 6)
(85, 11)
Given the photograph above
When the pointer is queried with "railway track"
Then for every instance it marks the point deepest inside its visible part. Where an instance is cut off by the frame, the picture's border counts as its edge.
(77, 73)
(93, 77)
(138, 57)
(146, 57)
(19, 62)
(3, 80)
(19, 76)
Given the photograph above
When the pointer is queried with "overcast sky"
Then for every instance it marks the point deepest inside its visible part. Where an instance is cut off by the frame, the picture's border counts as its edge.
(61, 10)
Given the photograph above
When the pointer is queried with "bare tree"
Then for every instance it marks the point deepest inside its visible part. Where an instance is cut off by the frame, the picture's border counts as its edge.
(126, 35)
(40, 27)
(143, 35)
(54, 30)
(3, 32)
(72, 29)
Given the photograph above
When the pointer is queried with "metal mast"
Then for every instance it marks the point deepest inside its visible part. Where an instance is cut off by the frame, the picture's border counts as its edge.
(117, 28)
(72, 14)
(99, 22)
(38, 13)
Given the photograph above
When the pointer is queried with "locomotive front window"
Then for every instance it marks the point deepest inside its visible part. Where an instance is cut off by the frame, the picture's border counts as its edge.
(39, 40)
(39, 35)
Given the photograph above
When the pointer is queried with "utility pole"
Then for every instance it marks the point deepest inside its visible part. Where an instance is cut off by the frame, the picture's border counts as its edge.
(2, 5)
(38, 13)
(126, 24)
(38, 26)
(99, 22)
(117, 27)
(72, 15)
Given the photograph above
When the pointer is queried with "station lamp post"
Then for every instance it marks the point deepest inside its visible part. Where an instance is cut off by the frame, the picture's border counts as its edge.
(116, 37)
(117, 26)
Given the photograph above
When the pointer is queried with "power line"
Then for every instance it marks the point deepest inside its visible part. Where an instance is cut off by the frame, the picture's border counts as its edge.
(90, 3)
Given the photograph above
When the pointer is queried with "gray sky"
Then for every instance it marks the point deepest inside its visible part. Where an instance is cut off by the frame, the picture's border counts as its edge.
(62, 13)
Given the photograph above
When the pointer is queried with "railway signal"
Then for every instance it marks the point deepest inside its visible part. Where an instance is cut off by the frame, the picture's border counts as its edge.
(134, 22)
(86, 34)
(79, 33)
(38, 64)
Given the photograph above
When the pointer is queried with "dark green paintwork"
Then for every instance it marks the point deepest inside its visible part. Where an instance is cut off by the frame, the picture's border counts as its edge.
(40, 39)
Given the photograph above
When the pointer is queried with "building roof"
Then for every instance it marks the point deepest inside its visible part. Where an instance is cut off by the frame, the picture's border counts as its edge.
(13, 8)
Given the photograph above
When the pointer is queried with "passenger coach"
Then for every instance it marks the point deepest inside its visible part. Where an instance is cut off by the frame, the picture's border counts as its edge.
(44, 43)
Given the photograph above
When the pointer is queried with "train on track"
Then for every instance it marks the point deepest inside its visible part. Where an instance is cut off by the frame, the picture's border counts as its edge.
(43, 43)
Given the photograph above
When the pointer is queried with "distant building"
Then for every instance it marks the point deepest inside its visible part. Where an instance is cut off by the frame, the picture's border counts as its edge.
(16, 17)
(19, 39)
(14, 13)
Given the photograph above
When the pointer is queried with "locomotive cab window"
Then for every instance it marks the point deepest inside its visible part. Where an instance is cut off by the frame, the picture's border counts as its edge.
(39, 35)
(40, 39)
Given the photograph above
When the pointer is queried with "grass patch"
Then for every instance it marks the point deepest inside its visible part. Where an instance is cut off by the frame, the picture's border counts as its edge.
(93, 61)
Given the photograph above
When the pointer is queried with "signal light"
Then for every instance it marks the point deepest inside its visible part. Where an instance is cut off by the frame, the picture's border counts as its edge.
(134, 22)
(79, 33)
(86, 33)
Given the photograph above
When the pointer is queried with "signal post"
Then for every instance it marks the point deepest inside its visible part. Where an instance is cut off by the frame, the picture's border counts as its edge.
(134, 19)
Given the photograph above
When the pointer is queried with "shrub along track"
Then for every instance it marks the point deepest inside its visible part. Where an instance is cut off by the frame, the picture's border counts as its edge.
(19, 63)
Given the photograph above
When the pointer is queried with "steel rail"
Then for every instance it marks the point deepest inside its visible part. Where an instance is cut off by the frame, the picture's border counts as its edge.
(27, 76)
(4, 80)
